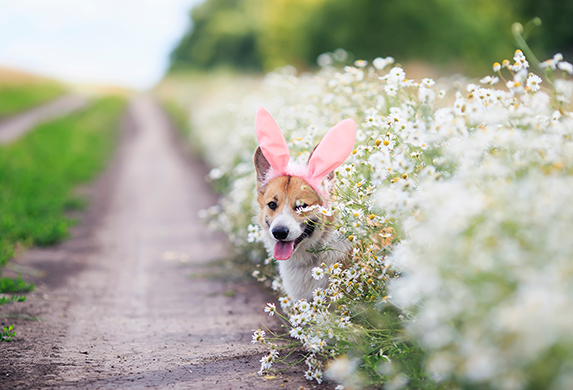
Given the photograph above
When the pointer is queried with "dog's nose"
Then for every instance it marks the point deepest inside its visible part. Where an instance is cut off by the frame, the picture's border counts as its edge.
(280, 232)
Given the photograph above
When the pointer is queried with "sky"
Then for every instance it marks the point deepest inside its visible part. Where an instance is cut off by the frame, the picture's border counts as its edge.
(120, 42)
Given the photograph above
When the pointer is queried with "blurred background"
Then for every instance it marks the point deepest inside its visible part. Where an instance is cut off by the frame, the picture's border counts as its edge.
(260, 35)
(133, 43)
(125, 42)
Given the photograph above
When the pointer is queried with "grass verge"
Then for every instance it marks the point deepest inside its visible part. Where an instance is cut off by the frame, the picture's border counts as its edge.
(21, 97)
(38, 171)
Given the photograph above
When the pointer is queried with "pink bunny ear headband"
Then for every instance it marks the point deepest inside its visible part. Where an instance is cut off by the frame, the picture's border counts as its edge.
(330, 153)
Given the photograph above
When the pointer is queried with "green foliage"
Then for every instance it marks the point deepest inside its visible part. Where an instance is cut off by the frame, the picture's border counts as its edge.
(178, 116)
(38, 171)
(556, 32)
(9, 285)
(6, 251)
(383, 342)
(12, 299)
(438, 31)
(7, 333)
(15, 98)
(223, 34)
(255, 34)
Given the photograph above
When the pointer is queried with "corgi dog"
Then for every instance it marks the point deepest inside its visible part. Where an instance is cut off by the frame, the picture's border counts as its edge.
(295, 235)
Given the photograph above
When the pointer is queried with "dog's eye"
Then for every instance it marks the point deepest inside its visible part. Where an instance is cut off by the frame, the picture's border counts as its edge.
(272, 205)
(300, 206)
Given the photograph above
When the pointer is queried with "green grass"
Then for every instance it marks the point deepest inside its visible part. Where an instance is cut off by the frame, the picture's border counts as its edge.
(38, 172)
(178, 115)
(9, 285)
(180, 119)
(7, 333)
(20, 97)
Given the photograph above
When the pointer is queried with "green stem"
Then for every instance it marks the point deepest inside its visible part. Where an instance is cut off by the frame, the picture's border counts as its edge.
(519, 36)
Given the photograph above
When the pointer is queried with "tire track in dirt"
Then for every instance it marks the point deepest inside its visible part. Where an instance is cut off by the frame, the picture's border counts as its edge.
(123, 304)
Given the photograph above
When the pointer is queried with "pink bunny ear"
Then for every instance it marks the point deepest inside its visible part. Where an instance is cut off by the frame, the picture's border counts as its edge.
(333, 150)
(271, 140)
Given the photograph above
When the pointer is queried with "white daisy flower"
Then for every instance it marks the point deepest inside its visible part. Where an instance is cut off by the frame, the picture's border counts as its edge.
(304, 210)
(565, 66)
(297, 333)
(258, 336)
(317, 273)
(324, 211)
(285, 302)
(533, 82)
(303, 305)
(428, 82)
(271, 309)
(335, 269)
(489, 80)
(297, 319)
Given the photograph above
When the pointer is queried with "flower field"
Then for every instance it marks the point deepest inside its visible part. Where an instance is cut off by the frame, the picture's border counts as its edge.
(455, 203)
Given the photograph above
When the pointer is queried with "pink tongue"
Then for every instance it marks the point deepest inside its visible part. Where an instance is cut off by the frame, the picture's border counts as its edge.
(283, 250)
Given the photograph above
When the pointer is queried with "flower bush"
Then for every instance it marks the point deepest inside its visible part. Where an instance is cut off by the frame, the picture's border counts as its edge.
(486, 262)
(455, 202)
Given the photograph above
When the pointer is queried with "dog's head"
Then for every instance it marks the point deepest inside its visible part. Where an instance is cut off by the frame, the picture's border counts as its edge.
(284, 189)
(281, 200)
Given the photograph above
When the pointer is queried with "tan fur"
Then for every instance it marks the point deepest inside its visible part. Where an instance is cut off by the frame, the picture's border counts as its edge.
(289, 193)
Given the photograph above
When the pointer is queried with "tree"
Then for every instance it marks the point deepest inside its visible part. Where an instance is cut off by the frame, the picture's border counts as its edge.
(223, 33)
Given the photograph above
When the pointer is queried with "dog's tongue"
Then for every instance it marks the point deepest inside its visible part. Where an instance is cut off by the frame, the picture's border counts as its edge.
(283, 250)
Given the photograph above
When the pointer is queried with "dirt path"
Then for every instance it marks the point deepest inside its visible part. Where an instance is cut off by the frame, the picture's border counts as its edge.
(18, 125)
(127, 302)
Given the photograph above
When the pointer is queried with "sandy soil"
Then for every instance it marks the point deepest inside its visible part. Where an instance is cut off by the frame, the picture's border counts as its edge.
(135, 299)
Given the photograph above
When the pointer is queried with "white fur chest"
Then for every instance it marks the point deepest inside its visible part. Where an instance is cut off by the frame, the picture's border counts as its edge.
(296, 272)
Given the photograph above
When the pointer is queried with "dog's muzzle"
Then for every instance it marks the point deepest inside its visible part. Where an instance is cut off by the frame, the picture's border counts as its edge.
(283, 249)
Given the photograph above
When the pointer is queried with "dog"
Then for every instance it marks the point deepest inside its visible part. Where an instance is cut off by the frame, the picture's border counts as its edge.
(299, 238)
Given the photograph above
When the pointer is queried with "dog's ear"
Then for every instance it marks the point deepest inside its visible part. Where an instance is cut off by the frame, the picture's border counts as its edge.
(333, 149)
(262, 166)
(272, 141)
(311, 153)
